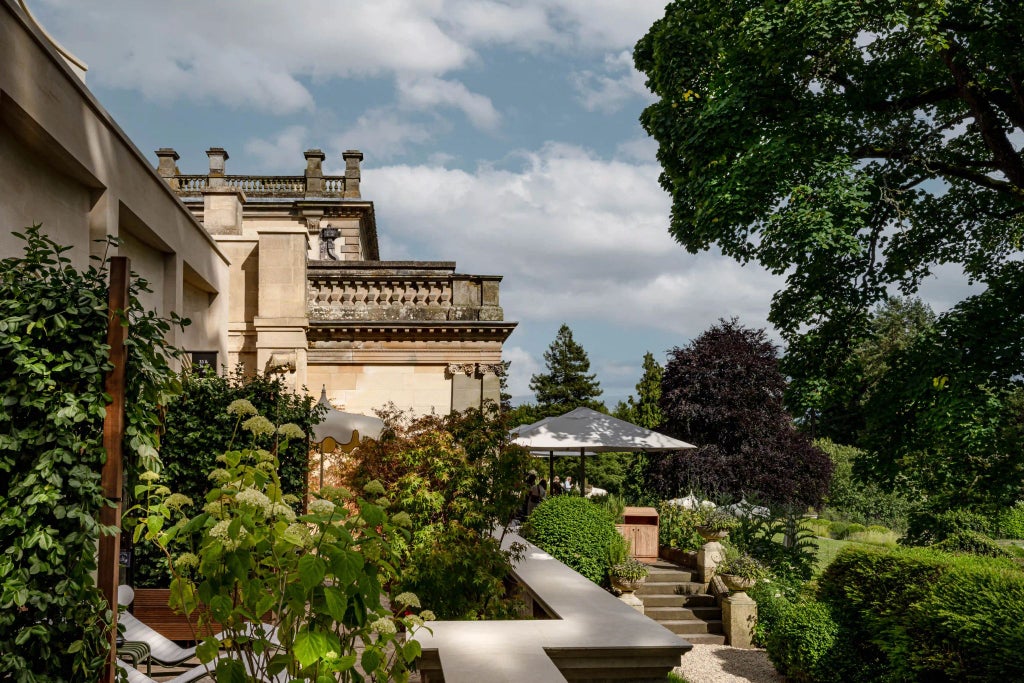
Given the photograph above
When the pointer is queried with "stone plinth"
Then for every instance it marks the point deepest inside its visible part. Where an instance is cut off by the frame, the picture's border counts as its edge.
(739, 614)
(709, 557)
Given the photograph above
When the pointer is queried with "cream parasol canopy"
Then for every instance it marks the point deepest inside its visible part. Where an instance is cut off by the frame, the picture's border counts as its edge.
(583, 430)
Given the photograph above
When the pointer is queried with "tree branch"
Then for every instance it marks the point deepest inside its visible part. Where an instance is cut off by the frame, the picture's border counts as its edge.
(1005, 156)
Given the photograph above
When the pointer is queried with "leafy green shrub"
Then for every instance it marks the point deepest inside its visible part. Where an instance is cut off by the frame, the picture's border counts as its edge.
(315, 578)
(782, 542)
(972, 543)
(878, 529)
(574, 531)
(930, 527)
(921, 614)
(843, 530)
(678, 527)
(198, 428)
(839, 530)
(458, 479)
(1011, 521)
(53, 359)
(802, 641)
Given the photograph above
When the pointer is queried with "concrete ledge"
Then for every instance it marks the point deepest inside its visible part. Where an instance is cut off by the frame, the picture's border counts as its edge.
(590, 635)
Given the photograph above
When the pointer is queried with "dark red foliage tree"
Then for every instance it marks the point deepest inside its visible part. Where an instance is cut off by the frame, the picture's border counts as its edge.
(723, 392)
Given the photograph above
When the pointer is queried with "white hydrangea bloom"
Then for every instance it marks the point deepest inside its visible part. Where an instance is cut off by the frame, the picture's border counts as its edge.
(259, 426)
(186, 561)
(255, 499)
(221, 533)
(220, 476)
(407, 599)
(149, 475)
(384, 626)
(290, 430)
(177, 500)
(215, 508)
(284, 512)
(242, 406)
(319, 506)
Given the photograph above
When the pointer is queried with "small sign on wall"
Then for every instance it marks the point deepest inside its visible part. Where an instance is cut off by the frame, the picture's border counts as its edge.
(204, 360)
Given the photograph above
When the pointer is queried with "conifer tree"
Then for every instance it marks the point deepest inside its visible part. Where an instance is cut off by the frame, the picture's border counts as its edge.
(645, 411)
(568, 383)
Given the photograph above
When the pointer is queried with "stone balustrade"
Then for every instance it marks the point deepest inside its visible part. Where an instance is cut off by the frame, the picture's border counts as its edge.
(399, 291)
(261, 185)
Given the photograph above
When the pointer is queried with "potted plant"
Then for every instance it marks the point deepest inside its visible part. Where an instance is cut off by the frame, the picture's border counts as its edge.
(628, 575)
(740, 571)
(714, 524)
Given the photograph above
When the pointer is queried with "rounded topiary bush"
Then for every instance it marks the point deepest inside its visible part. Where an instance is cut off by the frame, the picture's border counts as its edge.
(972, 543)
(576, 532)
(802, 641)
(1011, 522)
(930, 527)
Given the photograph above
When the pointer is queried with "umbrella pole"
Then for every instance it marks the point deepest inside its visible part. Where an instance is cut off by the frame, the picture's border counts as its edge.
(583, 473)
(551, 469)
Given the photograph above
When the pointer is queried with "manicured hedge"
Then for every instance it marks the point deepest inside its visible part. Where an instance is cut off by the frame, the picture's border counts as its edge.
(574, 531)
(920, 614)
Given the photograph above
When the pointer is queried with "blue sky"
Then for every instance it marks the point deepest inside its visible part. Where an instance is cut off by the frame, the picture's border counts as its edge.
(501, 134)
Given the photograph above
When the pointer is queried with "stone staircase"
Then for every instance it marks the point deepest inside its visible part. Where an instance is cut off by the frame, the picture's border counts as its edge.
(678, 603)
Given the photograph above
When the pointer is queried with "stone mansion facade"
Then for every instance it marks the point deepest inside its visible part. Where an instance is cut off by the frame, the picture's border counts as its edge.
(277, 273)
(311, 299)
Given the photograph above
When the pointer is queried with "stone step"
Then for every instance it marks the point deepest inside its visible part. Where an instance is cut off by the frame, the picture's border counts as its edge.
(692, 600)
(705, 638)
(670, 588)
(684, 627)
(675, 613)
(666, 574)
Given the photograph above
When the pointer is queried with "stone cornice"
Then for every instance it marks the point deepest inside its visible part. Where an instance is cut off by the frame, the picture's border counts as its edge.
(460, 330)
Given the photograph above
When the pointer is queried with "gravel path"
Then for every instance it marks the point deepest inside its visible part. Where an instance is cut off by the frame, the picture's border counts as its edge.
(724, 664)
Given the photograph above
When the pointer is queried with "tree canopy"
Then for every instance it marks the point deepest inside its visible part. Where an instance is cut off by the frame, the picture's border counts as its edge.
(723, 393)
(853, 146)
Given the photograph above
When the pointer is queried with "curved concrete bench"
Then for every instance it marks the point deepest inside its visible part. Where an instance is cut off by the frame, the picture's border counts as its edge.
(590, 635)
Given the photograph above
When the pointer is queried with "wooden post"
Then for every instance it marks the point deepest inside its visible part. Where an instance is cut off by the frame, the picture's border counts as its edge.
(113, 434)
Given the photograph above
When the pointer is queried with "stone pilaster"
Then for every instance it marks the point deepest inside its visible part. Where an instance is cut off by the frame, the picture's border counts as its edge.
(739, 614)
(314, 172)
(352, 159)
(709, 557)
(167, 166)
(465, 386)
(490, 381)
(218, 158)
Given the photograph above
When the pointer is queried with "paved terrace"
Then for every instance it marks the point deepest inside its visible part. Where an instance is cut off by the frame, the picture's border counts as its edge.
(584, 634)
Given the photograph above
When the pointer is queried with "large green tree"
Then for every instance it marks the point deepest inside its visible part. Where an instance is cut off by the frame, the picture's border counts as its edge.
(852, 145)
(568, 382)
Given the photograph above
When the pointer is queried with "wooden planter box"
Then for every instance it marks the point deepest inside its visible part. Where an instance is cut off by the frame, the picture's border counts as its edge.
(640, 528)
(150, 607)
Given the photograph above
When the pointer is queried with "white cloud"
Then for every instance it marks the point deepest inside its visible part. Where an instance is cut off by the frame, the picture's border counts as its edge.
(614, 88)
(265, 56)
(382, 134)
(576, 237)
(429, 93)
(283, 151)
(523, 366)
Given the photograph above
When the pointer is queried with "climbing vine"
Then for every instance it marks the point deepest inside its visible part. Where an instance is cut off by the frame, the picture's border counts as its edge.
(53, 359)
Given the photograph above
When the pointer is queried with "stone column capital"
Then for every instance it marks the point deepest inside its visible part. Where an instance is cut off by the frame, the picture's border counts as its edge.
(466, 369)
